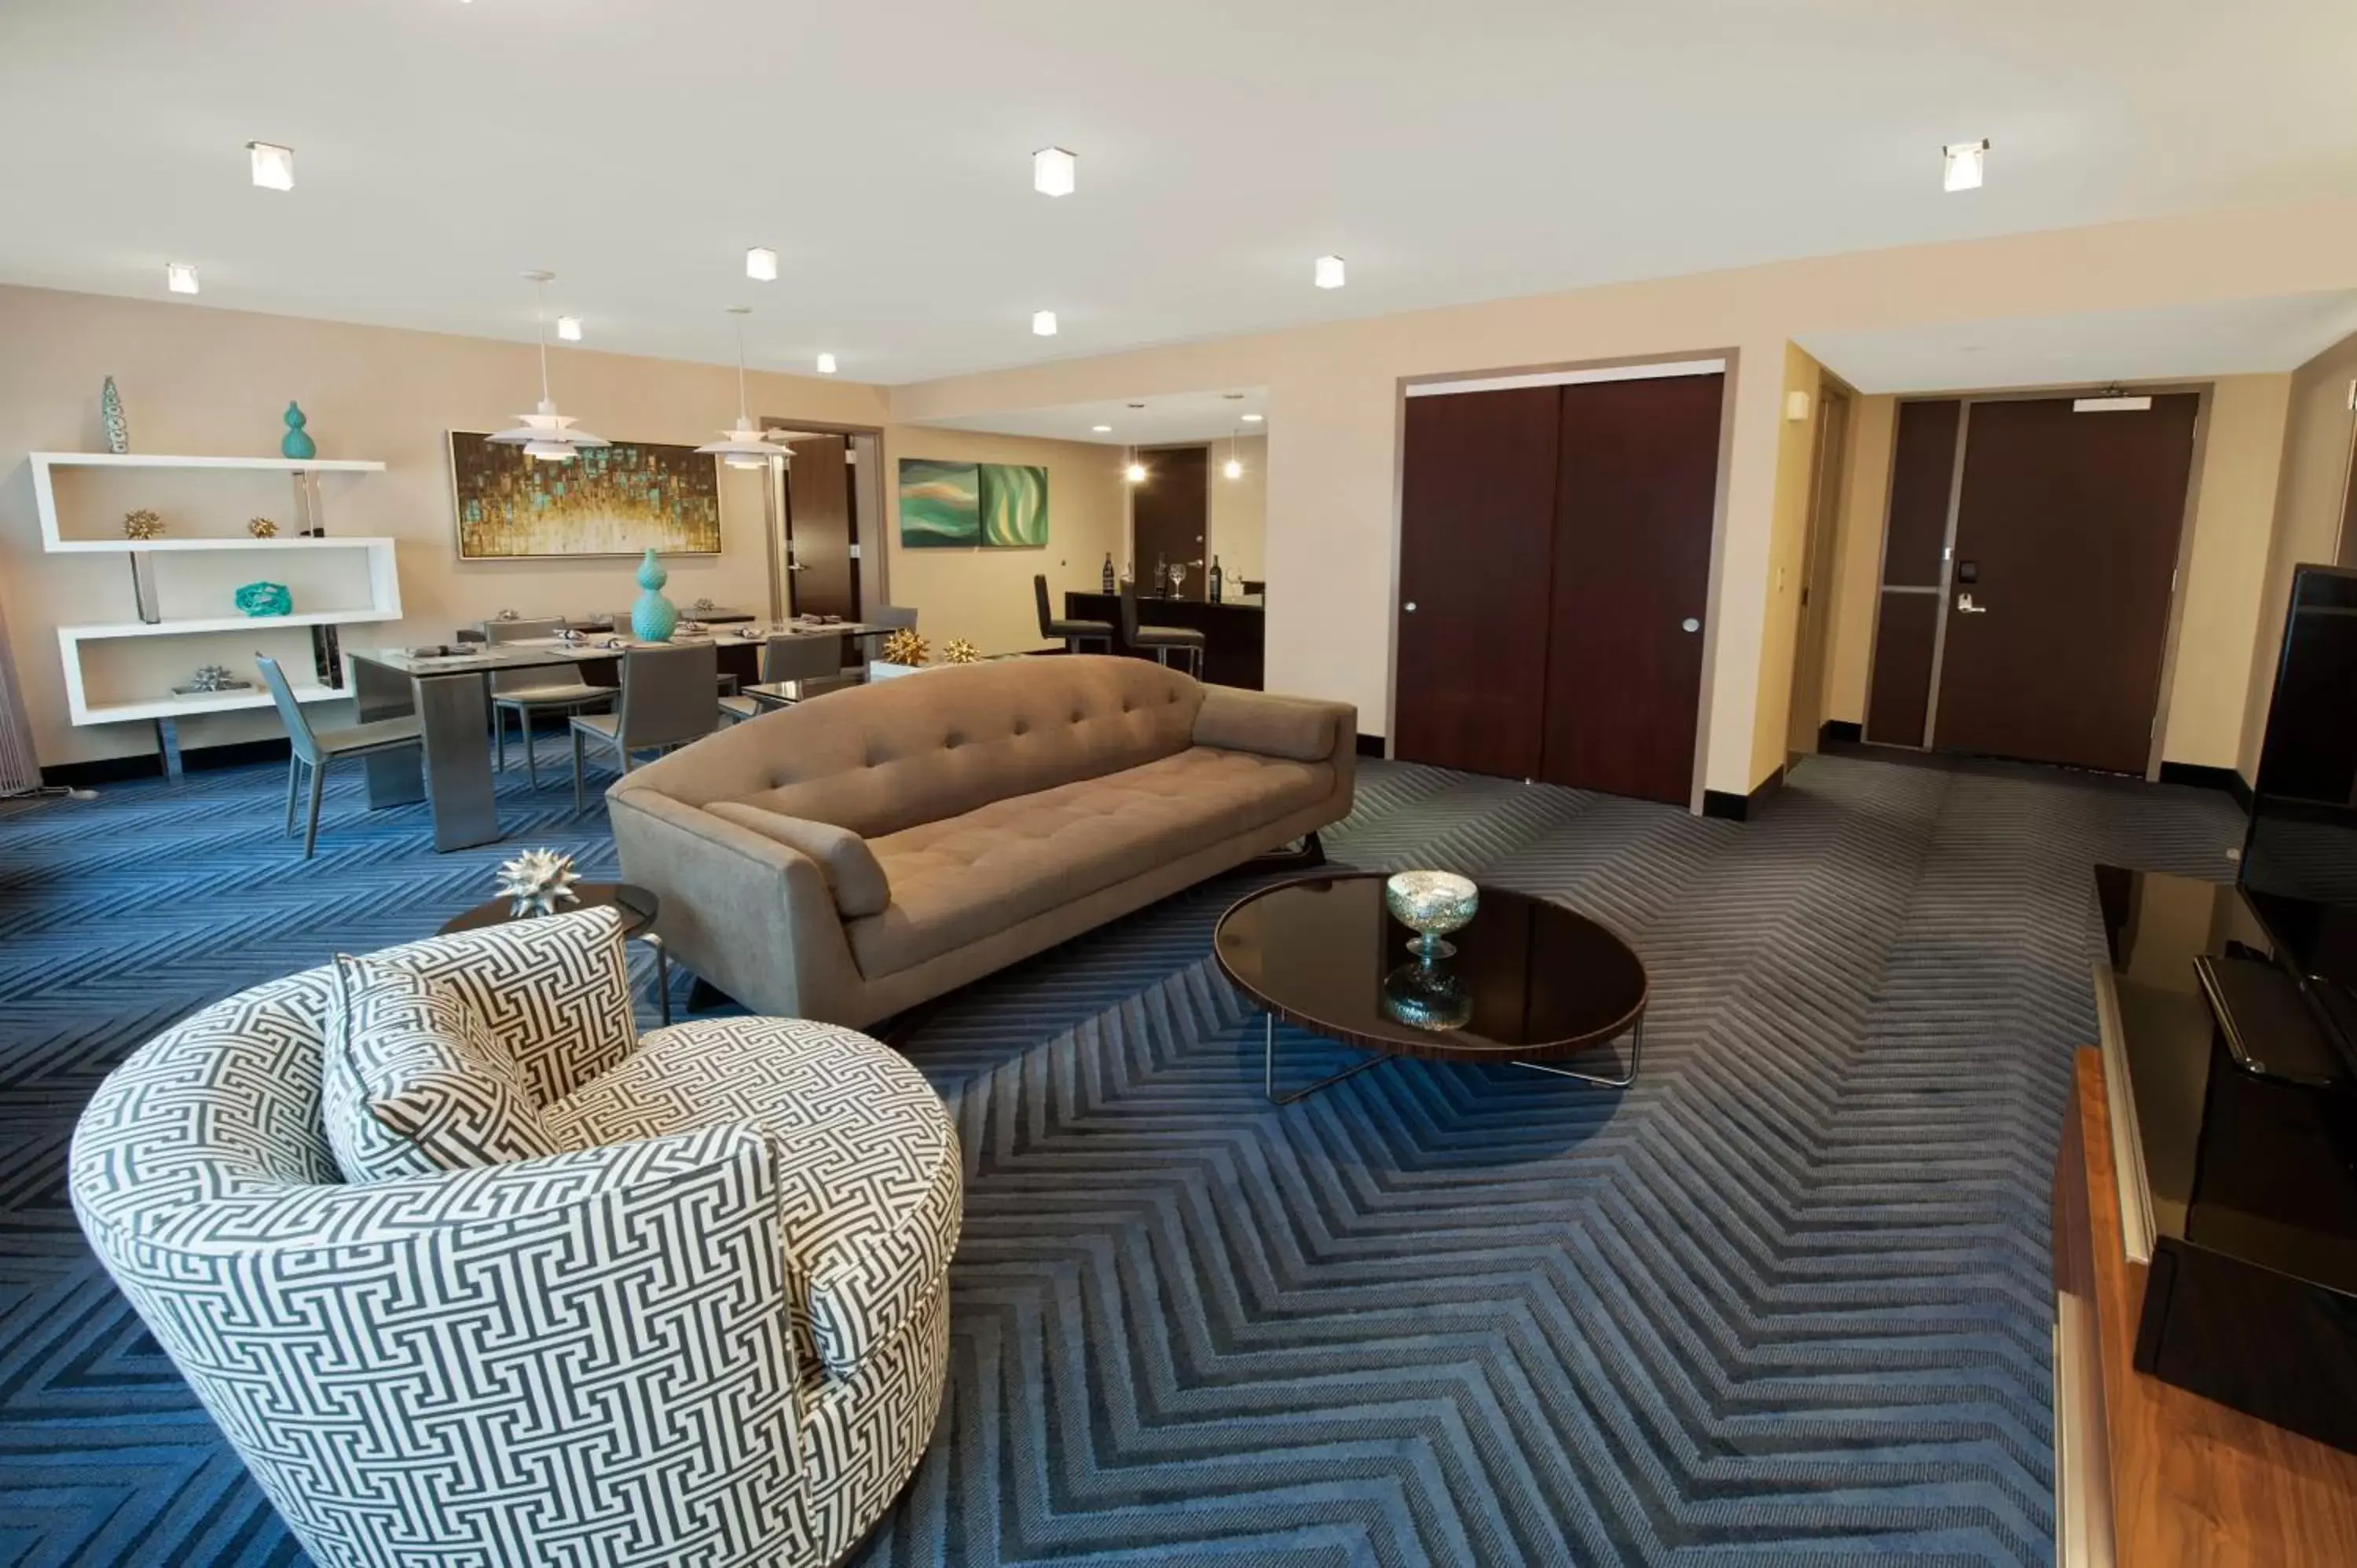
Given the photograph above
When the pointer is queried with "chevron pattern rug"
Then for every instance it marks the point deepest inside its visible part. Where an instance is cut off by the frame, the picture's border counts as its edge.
(1784, 1302)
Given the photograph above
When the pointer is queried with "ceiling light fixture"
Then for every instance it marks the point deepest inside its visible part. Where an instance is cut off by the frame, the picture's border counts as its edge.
(1043, 324)
(1054, 171)
(1235, 467)
(746, 447)
(568, 327)
(273, 165)
(546, 434)
(1962, 163)
(1101, 429)
(826, 364)
(1134, 473)
(1329, 273)
(179, 277)
(1254, 418)
(762, 265)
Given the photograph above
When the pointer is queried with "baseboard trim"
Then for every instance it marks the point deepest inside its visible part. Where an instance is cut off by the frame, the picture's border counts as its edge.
(2206, 777)
(150, 765)
(1371, 745)
(1733, 807)
(1840, 731)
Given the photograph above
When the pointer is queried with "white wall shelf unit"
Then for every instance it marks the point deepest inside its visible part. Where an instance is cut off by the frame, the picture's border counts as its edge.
(384, 602)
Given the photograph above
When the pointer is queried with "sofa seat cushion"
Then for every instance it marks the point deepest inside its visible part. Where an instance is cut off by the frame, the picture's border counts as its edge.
(960, 880)
(872, 1191)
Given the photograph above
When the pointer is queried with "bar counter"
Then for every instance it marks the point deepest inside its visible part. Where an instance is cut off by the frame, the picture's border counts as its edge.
(1234, 636)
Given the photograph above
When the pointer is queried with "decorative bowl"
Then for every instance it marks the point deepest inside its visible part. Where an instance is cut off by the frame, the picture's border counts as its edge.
(1432, 904)
(1426, 995)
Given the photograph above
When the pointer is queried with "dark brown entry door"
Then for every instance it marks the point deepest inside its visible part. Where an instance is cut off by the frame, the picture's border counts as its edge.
(1169, 512)
(1636, 481)
(1477, 521)
(825, 579)
(2057, 610)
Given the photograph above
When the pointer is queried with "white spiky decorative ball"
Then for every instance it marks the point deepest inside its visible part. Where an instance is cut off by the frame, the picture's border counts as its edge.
(537, 881)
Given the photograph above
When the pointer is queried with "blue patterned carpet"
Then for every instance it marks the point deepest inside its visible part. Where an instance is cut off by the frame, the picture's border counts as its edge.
(1785, 1302)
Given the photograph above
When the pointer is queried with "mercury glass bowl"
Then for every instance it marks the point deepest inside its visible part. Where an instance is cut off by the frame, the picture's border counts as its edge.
(1432, 904)
(1426, 995)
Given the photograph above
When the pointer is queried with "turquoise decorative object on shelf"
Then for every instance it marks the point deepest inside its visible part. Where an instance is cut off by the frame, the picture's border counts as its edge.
(298, 443)
(652, 618)
(109, 413)
(266, 599)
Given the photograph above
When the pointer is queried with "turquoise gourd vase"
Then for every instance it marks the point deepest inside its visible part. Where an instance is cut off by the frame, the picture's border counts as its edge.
(298, 443)
(652, 618)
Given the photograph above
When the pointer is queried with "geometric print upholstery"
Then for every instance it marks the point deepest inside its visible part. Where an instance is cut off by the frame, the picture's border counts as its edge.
(588, 1356)
(414, 1083)
(870, 1192)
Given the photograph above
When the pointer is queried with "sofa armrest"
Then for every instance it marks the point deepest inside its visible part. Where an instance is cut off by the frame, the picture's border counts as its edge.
(428, 1336)
(746, 913)
(1299, 729)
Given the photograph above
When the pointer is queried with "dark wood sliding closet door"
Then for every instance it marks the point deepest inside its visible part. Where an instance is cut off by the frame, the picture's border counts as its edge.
(2067, 530)
(1169, 514)
(819, 524)
(1636, 481)
(1477, 512)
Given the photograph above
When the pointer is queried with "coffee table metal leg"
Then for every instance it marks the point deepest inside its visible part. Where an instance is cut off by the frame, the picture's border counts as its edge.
(1268, 1067)
(1636, 1049)
(662, 975)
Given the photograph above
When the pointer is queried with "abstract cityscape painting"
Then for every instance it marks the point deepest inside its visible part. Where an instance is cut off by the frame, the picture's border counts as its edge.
(965, 506)
(622, 500)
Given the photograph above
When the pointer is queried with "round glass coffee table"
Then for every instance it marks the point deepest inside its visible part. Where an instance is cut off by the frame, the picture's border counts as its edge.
(1532, 983)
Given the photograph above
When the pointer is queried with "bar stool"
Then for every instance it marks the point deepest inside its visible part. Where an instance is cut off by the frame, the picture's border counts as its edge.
(1160, 640)
(1071, 632)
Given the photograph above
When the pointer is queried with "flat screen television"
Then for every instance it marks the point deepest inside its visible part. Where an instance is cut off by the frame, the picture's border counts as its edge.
(2299, 855)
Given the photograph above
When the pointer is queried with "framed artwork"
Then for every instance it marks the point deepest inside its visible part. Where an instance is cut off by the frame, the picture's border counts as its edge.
(966, 505)
(622, 500)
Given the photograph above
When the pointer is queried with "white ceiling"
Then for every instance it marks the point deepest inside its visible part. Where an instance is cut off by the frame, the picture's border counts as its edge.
(1161, 421)
(2240, 337)
(1452, 152)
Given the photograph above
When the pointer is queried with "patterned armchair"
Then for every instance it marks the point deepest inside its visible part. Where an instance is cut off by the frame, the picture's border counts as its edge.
(714, 1332)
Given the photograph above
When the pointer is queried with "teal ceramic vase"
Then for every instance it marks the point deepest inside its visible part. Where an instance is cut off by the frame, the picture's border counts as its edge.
(266, 599)
(652, 618)
(298, 442)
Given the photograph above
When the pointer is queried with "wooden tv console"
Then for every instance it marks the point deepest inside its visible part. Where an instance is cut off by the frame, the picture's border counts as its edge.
(2147, 1475)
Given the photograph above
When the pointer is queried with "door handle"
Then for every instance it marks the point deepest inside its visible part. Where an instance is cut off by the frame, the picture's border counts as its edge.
(1409, 606)
(1964, 606)
(1690, 624)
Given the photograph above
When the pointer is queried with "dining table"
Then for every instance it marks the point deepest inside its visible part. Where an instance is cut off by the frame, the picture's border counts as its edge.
(447, 687)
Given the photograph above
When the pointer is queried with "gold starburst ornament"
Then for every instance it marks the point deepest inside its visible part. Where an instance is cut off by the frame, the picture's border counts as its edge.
(262, 528)
(905, 646)
(958, 650)
(142, 525)
(535, 882)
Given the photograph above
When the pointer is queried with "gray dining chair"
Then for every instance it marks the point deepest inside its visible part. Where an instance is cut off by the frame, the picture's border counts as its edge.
(667, 693)
(890, 617)
(1159, 641)
(787, 657)
(528, 693)
(1072, 633)
(316, 748)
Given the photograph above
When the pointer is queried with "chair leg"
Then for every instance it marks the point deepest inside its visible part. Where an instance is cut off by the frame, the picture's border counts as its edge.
(580, 803)
(294, 778)
(311, 826)
(499, 736)
(531, 746)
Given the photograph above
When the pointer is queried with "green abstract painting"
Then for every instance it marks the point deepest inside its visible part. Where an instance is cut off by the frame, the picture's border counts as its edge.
(968, 505)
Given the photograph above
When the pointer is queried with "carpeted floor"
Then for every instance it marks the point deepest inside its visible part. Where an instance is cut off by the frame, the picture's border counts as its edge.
(1784, 1302)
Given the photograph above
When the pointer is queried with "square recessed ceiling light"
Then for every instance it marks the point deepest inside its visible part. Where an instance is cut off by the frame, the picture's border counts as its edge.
(1962, 163)
(762, 264)
(274, 167)
(1254, 418)
(826, 364)
(179, 277)
(569, 328)
(1101, 429)
(1043, 324)
(1330, 272)
(1054, 171)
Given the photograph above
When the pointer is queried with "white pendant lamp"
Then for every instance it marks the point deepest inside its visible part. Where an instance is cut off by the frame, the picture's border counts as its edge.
(745, 447)
(546, 434)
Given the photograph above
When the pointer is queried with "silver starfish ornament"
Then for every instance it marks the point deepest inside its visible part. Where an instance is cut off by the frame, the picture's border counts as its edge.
(537, 881)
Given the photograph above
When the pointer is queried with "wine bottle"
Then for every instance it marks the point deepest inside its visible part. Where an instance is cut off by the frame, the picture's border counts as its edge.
(1216, 579)
(1110, 584)
(1161, 577)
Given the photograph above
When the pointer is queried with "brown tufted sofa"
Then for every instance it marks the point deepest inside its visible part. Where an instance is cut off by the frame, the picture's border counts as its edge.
(862, 852)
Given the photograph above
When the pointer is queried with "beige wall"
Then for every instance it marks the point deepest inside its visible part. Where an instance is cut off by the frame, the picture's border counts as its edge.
(1239, 509)
(984, 595)
(1787, 567)
(2310, 493)
(201, 382)
(1334, 403)
(2219, 599)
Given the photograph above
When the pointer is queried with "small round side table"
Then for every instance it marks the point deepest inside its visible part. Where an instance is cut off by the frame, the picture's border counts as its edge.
(636, 905)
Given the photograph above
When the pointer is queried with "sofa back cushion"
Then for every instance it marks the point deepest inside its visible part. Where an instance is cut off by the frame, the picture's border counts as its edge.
(881, 758)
